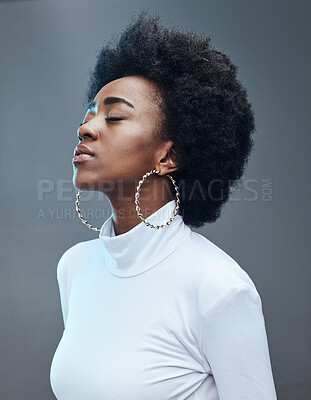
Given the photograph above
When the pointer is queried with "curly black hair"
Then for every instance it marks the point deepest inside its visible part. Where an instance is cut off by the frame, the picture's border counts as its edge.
(207, 113)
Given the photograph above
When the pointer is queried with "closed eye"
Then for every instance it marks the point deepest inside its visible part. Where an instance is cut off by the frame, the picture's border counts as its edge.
(113, 119)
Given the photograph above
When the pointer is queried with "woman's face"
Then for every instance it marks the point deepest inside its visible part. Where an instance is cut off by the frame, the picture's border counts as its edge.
(126, 148)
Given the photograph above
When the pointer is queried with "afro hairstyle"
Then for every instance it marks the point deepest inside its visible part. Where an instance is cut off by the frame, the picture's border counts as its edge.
(207, 114)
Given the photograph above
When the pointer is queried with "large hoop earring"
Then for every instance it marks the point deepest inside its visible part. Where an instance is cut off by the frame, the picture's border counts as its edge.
(137, 194)
(80, 213)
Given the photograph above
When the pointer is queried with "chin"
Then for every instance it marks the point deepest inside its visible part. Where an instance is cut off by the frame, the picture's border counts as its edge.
(81, 183)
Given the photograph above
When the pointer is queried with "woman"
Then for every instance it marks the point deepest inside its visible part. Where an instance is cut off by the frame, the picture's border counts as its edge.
(153, 310)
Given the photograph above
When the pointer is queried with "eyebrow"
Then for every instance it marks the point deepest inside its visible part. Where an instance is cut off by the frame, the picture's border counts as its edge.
(111, 100)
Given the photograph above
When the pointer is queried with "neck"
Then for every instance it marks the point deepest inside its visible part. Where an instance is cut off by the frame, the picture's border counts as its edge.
(154, 194)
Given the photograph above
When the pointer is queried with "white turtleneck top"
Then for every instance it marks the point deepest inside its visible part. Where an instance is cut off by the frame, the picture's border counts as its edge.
(158, 315)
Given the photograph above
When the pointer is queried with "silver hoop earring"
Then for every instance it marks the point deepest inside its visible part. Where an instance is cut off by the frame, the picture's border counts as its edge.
(137, 194)
(80, 213)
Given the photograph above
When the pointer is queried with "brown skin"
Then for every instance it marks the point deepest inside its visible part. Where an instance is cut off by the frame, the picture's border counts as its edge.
(125, 150)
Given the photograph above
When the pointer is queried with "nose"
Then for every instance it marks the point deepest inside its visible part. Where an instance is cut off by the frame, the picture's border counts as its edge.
(85, 131)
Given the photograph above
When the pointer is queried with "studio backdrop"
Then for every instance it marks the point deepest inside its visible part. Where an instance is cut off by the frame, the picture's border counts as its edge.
(48, 49)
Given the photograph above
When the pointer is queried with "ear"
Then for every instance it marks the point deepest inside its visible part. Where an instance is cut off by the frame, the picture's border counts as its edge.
(168, 162)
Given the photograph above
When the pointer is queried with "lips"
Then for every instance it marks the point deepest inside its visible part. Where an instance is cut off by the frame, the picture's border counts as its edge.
(82, 153)
(82, 149)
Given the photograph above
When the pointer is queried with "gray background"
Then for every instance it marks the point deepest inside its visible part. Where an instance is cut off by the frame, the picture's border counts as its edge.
(47, 50)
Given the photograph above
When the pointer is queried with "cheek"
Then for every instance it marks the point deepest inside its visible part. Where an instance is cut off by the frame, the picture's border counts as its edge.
(140, 145)
(135, 159)
(141, 150)
(127, 152)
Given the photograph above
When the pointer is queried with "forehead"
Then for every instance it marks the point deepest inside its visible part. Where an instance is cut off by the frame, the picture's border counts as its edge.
(139, 91)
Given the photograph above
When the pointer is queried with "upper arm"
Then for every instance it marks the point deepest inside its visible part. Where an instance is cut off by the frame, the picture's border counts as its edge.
(234, 345)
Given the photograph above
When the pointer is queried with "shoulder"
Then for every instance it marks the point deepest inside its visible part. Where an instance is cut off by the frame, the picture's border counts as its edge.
(214, 272)
(76, 255)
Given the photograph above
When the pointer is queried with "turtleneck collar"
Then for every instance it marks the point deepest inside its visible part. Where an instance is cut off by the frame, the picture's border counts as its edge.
(141, 248)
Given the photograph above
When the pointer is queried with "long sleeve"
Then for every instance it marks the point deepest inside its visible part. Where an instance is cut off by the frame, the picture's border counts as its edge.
(234, 344)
